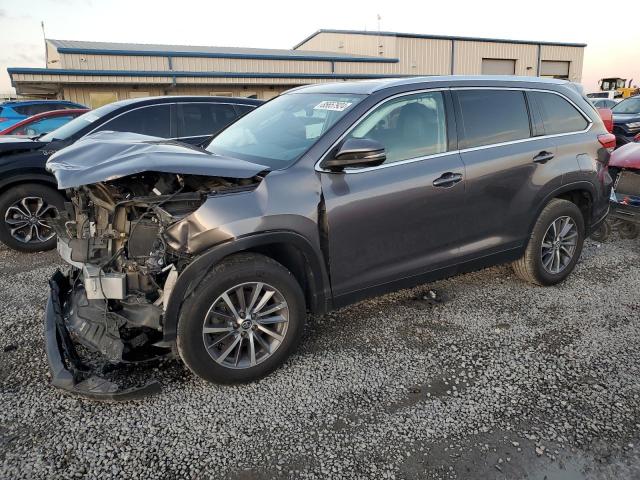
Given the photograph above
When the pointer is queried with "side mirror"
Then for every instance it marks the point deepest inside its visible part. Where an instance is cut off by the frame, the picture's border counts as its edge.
(356, 152)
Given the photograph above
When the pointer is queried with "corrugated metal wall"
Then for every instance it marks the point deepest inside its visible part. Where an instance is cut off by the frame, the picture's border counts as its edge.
(416, 56)
(469, 55)
(420, 56)
(82, 94)
(113, 62)
(190, 64)
(353, 44)
(574, 55)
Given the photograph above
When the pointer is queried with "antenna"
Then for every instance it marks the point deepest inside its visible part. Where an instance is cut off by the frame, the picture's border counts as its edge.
(46, 50)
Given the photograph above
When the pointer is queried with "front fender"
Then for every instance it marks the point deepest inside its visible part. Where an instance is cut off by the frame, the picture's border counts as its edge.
(202, 264)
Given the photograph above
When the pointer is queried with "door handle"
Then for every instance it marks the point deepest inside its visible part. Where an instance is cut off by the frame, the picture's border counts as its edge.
(543, 157)
(448, 179)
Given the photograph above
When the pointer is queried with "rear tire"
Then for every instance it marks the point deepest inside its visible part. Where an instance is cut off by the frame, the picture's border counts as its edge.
(208, 327)
(24, 211)
(536, 266)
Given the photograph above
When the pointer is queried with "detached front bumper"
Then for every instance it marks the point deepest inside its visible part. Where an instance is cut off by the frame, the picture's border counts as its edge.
(68, 372)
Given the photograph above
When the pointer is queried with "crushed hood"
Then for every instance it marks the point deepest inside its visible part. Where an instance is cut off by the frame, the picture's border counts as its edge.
(627, 156)
(106, 156)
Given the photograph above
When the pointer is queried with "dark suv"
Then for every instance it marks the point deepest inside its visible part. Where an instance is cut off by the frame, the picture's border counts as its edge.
(323, 196)
(28, 196)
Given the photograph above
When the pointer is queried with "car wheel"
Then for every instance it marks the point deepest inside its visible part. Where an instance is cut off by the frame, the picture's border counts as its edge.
(554, 246)
(26, 211)
(242, 321)
(602, 233)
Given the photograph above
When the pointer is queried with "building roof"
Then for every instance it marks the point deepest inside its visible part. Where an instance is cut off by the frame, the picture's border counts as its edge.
(435, 37)
(190, 74)
(145, 49)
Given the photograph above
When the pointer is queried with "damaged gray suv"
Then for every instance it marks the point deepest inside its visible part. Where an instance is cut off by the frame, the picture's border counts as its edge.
(324, 196)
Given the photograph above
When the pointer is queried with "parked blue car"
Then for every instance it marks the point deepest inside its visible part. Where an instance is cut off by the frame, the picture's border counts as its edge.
(12, 112)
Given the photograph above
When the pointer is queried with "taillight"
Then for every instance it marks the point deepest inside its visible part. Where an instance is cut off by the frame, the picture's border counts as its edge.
(636, 138)
(3, 119)
(608, 141)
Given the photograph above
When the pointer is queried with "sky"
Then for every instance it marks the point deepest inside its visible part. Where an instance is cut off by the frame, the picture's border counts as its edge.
(612, 51)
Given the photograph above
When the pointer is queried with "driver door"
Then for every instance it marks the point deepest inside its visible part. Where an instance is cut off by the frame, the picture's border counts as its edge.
(402, 218)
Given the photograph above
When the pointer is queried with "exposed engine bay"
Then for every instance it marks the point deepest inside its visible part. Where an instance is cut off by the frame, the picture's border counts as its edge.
(123, 263)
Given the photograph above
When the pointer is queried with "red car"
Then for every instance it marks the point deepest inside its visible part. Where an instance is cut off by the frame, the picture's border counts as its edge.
(624, 212)
(607, 118)
(42, 123)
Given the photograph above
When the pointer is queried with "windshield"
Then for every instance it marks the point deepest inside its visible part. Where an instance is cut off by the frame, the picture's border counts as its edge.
(71, 128)
(282, 130)
(630, 105)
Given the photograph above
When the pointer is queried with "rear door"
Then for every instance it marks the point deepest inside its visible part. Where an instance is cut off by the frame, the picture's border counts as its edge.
(399, 219)
(505, 168)
(199, 121)
(576, 153)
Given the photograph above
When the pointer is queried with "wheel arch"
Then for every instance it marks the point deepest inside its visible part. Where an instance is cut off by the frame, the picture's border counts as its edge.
(579, 193)
(10, 180)
(290, 249)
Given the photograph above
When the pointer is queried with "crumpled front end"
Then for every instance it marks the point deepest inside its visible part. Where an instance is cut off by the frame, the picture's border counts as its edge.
(625, 194)
(124, 260)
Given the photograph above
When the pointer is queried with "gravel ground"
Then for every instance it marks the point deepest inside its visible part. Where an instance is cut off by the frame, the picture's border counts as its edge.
(500, 380)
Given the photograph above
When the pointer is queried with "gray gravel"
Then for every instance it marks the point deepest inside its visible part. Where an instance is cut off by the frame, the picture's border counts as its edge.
(501, 380)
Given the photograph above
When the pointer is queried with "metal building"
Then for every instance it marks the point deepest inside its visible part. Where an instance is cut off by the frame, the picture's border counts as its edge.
(95, 73)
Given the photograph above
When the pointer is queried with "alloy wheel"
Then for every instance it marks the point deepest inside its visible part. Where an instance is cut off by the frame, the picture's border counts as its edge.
(245, 325)
(28, 220)
(559, 244)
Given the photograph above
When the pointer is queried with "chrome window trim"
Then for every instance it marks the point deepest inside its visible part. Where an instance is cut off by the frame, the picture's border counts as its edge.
(450, 152)
(216, 103)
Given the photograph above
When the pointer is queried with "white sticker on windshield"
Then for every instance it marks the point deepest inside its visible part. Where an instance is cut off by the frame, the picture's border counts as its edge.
(332, 105)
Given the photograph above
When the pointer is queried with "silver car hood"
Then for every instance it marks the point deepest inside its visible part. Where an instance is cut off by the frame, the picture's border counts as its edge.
(106, 156)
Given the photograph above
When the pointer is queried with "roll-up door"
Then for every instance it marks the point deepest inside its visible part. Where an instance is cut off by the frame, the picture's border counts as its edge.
(498, 66)
(555, 69)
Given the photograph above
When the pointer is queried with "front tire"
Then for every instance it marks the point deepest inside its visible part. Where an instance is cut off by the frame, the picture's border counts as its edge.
(25, 214)
(242, 321)
(554, 246)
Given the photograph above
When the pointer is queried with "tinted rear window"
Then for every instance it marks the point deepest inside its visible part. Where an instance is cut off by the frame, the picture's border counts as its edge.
(558, 115)
(493, 116)
(22, 109)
